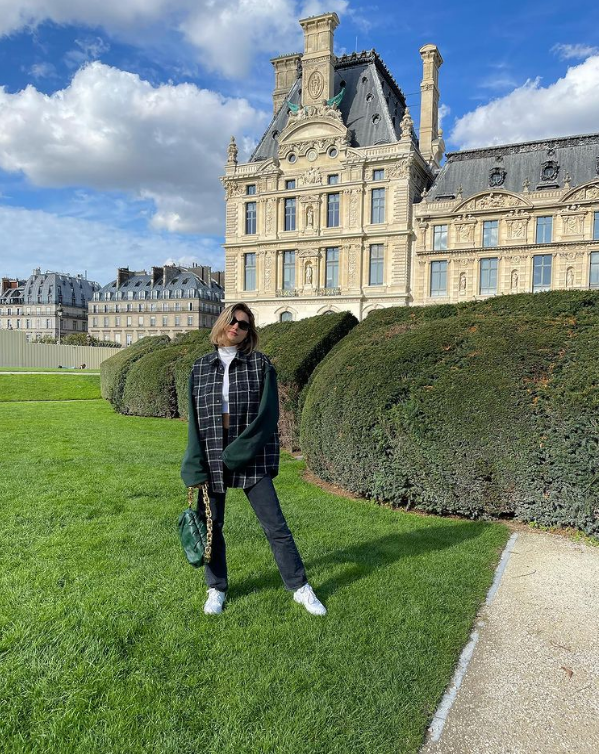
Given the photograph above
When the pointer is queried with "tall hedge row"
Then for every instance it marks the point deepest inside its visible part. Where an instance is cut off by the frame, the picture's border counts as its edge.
(150, 387)
(295, 349)
(478, 409)
(113, 371)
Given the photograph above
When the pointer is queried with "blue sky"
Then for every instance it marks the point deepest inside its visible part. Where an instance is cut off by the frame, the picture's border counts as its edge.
(115, 114)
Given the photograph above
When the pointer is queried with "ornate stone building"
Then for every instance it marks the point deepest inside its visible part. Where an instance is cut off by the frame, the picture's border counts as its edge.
(52, 304)
(169, 301)
(510, 219)
(320, 218)
(343, 207)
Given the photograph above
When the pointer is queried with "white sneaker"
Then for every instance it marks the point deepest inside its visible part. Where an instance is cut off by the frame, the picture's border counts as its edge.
(214, 603)
(305, 596)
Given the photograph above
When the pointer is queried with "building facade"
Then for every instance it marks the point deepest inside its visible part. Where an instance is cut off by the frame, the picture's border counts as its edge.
(320, 218)
(510, 219)
(48, 304)
(342, 206)
(168, 301)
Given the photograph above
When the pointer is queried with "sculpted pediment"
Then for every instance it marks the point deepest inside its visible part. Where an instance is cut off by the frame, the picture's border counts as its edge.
(313, 122)
(492, 200)
(269, 167)
(588, 192)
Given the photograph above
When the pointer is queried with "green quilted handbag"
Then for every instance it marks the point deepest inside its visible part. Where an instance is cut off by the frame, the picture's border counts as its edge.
(194, 533)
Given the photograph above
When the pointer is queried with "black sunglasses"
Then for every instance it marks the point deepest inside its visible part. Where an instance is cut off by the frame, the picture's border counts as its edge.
(243, 325)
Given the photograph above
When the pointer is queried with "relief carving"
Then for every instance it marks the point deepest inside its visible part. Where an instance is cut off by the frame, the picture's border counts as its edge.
(311, 177)
(353, 209)
(573, 225)
(352, 264)
(267, 270)
(269, 215)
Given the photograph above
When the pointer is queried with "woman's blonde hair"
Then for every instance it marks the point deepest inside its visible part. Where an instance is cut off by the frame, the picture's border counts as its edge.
(250, 343)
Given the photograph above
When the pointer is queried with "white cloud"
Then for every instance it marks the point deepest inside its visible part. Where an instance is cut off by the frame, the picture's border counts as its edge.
(574, 52)
(42, 71)
(42, 239)
(90, 48)
(568, 106)
(444, 111)
(110, 130)
(227, 33)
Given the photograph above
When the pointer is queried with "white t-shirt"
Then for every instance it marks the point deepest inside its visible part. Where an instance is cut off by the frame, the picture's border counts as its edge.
(226, 354)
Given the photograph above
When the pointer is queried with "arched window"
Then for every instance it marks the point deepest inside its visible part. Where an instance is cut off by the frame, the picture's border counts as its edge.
(286, 317)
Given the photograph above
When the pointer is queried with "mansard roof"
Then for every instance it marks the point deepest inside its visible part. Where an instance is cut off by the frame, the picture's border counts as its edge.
(372, 106)
(178, 279)
(58, 287)
(544, 164)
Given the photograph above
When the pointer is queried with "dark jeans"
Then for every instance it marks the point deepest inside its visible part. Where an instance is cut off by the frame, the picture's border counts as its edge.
(263, 499)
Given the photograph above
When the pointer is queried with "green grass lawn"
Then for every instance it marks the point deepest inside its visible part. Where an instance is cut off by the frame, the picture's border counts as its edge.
(49, 387)
(104, 648)
(42, 370)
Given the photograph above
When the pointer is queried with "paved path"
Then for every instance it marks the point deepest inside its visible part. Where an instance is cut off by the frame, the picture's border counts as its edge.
(532, 683)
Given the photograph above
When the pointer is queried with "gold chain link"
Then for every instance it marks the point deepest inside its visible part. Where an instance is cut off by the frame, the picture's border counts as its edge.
(190, 498)
(208, 550)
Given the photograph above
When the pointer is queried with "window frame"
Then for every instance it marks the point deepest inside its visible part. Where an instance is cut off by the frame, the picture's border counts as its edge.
(333, 209)
(540, 287)
(377, 206)
(376, 264)
(331, 265)
(290, 218)
(438, 292)
(490, 238)
(288, 270)
(249, 269)
(440, 238)
(251, 214)
(541, 229)
(488, 290)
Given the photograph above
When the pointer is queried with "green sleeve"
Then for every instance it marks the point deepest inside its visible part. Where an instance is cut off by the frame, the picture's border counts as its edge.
(194, 469)
(255, 436)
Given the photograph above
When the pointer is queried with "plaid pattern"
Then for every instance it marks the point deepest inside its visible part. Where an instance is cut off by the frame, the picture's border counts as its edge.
(246, 378)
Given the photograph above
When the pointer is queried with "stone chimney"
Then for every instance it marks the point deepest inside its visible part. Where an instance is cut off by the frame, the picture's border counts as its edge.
(286, 72)
(157, 275)
(318, 60)
(122, 275)
(430, 140)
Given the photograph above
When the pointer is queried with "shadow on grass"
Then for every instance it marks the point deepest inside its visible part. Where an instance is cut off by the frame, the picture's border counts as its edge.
(362, 559)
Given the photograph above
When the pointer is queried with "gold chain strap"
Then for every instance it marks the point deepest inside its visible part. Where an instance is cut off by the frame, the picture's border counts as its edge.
(190, 497)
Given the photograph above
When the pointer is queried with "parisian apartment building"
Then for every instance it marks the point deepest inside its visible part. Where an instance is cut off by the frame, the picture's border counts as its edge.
(167, 301)
(46, 304)
(344, 205)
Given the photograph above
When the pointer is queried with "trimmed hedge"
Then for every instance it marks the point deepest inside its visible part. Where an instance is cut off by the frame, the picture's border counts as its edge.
(480, 409)
(296, 348)
(113, 371)
(200, 345)
(150, 388)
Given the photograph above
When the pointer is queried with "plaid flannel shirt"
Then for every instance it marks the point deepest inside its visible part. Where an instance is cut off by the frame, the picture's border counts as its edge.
(253, 449)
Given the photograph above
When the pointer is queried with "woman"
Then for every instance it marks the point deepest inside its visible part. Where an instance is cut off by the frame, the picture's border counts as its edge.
(233, 442)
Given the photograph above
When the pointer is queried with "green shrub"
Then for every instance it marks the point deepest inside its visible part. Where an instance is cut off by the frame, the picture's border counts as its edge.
(113, 371)
(199, 346)
(477, 409)
(150, 384)
(296, 348)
